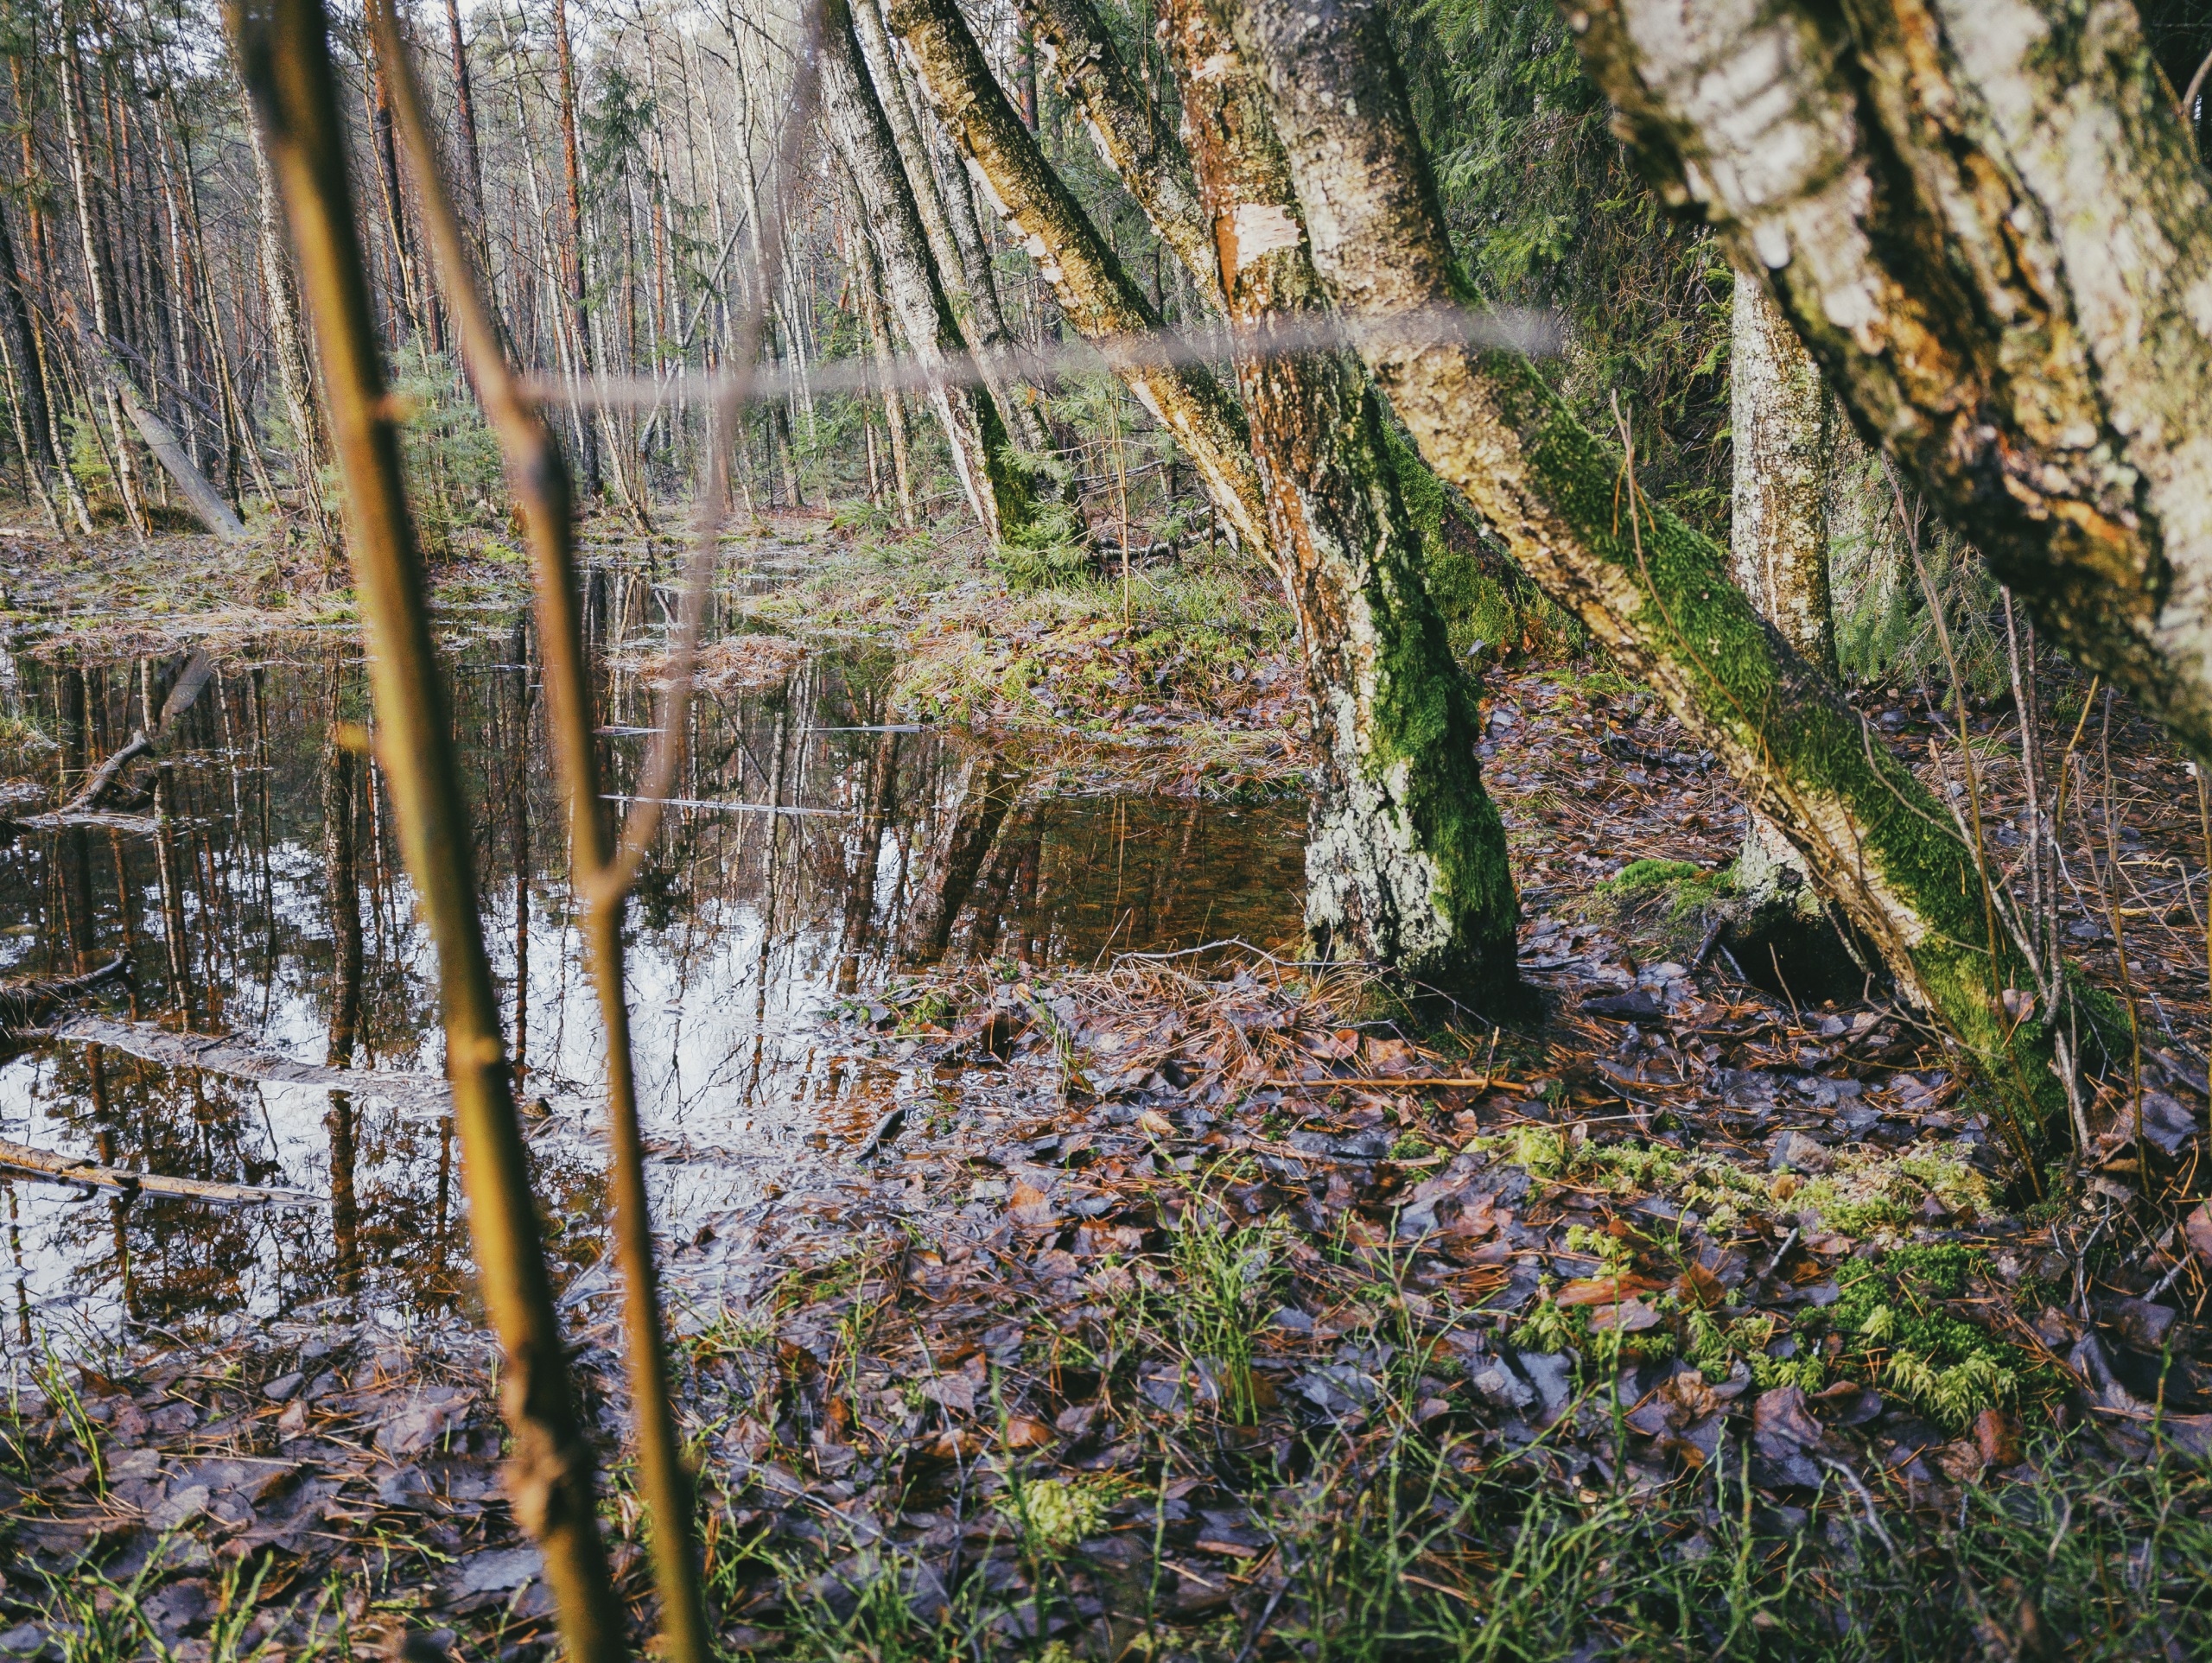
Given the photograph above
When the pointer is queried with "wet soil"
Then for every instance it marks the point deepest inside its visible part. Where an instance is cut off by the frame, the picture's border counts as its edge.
(1170, 1291)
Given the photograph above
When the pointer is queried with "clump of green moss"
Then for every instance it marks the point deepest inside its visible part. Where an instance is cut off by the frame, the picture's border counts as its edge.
(1639, 875)
(1897, 1334)
(1053, 1515)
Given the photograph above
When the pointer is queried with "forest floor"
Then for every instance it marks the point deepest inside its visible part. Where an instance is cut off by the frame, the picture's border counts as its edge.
(1221, 1308)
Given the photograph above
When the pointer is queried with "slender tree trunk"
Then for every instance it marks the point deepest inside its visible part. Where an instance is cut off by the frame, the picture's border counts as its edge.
(31, 407)
(573, 255)
(975, 307)
(983, 456)
(472, 162)
(1777, 528)
(1096, 294)
(870, 275)
(284, 51)
(1657, 594)
(287, 345)
(95, 282)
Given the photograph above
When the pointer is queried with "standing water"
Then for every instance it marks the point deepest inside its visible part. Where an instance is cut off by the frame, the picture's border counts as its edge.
(819, 849)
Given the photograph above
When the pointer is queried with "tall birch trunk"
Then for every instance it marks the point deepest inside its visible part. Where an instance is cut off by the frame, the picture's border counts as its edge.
(968, 289)
(982, 454)
(1657, 594)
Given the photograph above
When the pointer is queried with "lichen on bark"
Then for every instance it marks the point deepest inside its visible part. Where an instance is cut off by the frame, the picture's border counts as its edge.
(1655, 593)
(1988, 222)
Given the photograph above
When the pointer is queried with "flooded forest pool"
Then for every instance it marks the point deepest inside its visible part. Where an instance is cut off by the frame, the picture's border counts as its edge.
(766, 904)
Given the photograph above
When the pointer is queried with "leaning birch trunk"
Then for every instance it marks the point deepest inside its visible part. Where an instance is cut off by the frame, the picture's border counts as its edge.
(1657, 594)
(284, 55)
(1406, 861)
(1988, 223)
(1777, 528)
(206, 502)
(1132, 133)
(982, 452)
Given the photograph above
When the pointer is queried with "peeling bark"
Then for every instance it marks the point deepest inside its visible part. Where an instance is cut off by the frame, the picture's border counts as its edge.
(1406, 860)
(1654, 592)
(1986, 221)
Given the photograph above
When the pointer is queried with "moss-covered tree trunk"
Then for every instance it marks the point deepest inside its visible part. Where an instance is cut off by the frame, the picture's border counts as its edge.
(1658, 594)
(1406, 856)
(990, 470)
(1407, 865)
(1777, 526)
(1988, 222)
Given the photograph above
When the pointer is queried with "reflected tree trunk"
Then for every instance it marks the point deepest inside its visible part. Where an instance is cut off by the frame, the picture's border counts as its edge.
(989, 788)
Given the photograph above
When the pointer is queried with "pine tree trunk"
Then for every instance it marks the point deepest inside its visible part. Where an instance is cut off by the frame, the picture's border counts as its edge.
(1657, 594)
(1988, 222)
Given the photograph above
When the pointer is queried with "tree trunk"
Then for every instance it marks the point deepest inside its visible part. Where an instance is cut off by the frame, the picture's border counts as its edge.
(982, 454)
(1406, 862)
(1656, 593)
(1406, 865)
(31, 407)
(1988, 221)
(1777, 528)
(573, 253)
(95, 281)
(287, 345)
(1130, 130)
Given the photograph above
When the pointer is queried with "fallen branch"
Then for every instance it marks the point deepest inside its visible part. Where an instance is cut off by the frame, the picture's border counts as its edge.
(131, 825)
(422, 1092)
(198, 671)
(69, 1169)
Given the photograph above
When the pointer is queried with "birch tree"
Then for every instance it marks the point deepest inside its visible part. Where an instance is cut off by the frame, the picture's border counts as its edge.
(1986, 220)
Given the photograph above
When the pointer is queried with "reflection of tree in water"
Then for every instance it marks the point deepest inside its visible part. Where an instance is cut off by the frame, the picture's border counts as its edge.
(746, 921)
